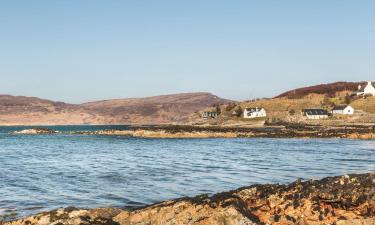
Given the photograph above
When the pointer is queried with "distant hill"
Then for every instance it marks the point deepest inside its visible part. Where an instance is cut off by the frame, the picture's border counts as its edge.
(22, 104)
(158, 109)
(175, 108)
(329, 89)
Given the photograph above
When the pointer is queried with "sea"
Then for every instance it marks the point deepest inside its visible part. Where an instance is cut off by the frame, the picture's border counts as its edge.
(45, 172)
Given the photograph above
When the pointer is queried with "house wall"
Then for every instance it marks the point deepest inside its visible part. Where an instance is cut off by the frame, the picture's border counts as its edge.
(316, 117)
(338, 111)
(207, 115)
(347, 111)
(261, 113)
(369, 90)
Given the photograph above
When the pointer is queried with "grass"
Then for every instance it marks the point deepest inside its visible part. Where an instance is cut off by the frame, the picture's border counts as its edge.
(364, 104)
(280, 109)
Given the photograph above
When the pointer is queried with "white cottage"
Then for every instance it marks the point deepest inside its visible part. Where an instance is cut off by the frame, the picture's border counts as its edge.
(254, 113)
(343, 109)
(368, 89)
(208, 114)
(315, 114)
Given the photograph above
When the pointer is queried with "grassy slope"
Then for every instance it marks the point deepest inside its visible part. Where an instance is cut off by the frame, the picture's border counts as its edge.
(367, 104)
(279, 108)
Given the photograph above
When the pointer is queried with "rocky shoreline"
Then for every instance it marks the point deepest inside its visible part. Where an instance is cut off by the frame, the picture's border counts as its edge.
(348, 199)
(179, 131)
(33, 131)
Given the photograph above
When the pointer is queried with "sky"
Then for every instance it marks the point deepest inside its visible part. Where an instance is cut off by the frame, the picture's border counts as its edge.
(80, 50)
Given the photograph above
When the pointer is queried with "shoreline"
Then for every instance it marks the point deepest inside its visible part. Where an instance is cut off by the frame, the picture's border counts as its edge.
(348, 199)
(191, 131)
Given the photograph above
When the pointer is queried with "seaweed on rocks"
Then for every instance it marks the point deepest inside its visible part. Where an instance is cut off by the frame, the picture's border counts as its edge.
(348, 199)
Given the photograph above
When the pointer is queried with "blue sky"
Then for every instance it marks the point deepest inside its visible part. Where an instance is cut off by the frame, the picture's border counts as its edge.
(80, 50)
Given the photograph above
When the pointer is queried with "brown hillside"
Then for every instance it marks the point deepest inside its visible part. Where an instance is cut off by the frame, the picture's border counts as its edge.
(365, 104)
(158, 109)
(284, 109)
(19, 110)
(329, 89)
(280, 107)
(22, 104)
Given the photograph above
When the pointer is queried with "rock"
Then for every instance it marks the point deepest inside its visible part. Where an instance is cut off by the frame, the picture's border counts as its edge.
(36, 131)
(343, 200)
(191, 131)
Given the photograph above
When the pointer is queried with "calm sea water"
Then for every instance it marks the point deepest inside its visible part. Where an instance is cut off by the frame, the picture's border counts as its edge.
(39, 173)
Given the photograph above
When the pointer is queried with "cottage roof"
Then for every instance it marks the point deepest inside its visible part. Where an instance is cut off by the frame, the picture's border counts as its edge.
(251, 110)
(316, 112)
(340, 107)
(362, 89)
(212, 112)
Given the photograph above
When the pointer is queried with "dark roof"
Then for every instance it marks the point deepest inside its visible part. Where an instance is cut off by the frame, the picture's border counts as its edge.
(315, 111)
(362, 89)
(340, 107)
(212, 112)
(251, 110)
(363, 86)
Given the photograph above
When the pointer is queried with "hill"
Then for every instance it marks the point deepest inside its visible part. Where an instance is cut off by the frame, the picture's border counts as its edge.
(175, 108)
(329, 89)
(158, 109)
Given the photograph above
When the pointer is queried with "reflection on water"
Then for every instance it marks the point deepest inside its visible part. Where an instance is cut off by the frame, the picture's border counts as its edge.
(41, 173)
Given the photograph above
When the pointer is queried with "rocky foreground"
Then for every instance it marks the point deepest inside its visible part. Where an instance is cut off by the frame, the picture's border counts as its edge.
(348, 199)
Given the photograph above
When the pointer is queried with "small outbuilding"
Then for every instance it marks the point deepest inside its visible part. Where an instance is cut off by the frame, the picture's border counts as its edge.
(343, 109)
(209, 114)
(256, 112)
(315, 114)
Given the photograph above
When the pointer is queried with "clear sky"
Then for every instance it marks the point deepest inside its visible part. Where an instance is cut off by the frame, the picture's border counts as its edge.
(84, 50)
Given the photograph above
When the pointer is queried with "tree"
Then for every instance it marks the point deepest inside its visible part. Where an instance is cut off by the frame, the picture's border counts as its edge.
(327, 101)
(218, 109)
(238, 111)
(347, 99)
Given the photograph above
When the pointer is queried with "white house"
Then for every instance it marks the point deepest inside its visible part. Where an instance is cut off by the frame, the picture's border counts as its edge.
(207, 114)
(343, 109)
(368, 89)
(249, 113)
(315, 114)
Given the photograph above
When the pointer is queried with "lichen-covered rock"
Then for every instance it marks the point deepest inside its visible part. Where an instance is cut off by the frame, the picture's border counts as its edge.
(348, 199)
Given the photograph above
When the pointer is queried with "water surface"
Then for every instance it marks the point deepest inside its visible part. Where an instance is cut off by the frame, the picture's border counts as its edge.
(39, 173)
